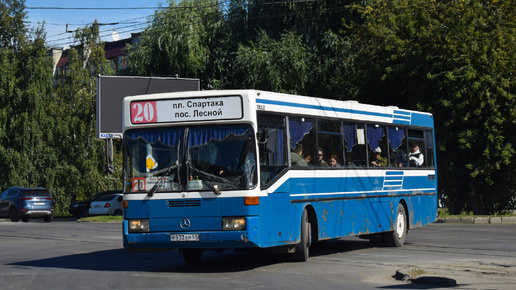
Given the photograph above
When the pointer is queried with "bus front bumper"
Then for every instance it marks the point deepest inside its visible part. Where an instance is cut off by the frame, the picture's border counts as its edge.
(200, 239)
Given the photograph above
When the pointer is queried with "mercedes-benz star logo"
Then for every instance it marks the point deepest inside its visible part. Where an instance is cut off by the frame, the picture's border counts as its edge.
(184, 224)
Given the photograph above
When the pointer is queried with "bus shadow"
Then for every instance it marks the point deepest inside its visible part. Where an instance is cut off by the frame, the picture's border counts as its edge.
(330, 247)
(172, 262)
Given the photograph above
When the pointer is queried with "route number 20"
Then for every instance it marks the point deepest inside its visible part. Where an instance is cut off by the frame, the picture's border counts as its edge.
(143, 112)
(139, 184)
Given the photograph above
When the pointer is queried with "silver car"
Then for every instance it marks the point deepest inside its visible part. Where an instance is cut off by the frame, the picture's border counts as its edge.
(110, 204)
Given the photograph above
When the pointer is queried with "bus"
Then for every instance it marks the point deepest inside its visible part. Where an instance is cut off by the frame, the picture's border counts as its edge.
(249, 169)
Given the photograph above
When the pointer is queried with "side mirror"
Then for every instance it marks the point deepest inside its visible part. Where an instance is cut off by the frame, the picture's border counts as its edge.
(262, 136)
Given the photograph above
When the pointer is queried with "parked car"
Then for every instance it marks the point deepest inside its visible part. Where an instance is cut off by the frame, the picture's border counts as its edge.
(110, 204)
(26, 202)
(82, 208)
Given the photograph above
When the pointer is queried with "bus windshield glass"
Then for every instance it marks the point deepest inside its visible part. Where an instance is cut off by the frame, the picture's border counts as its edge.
(200, 158)
(153, 154)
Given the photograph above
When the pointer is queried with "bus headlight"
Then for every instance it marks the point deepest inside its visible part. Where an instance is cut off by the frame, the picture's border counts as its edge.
(138, 226)
(233, 224)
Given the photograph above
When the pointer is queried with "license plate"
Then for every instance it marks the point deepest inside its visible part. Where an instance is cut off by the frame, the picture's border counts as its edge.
(39, 203)
(184, 237)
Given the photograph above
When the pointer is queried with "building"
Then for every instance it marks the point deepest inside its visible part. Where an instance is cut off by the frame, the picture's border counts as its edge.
(113, 51)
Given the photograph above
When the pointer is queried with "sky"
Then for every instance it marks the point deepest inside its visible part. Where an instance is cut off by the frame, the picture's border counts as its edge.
(56, 20)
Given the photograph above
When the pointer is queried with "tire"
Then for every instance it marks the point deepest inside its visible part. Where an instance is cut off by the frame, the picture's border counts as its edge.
(192, 256)
(48, 218)
(397, 237)
(117, 212)
(25, 219)
(303, 248)
(13, 214)
(84, 213)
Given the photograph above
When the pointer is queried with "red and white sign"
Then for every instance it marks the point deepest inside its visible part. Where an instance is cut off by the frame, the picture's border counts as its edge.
(184, 110)
(144, 112)
(139, 184)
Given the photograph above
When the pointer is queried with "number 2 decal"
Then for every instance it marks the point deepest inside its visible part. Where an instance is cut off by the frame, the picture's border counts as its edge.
(143, 112)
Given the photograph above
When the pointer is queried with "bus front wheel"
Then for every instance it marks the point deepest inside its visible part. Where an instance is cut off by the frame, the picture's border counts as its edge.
(397, 237)
(302, 249)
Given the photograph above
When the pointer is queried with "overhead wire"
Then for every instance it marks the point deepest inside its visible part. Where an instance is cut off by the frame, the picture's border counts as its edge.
(134, 27)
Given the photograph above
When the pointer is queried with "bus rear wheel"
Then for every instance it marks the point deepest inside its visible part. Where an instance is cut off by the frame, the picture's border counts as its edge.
(192, 256)
(303, 248)
(397, 237)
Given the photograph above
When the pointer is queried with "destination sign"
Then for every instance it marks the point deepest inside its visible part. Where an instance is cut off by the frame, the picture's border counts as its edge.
(184, 110)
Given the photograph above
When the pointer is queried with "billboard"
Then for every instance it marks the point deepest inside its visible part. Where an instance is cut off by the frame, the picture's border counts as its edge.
(111, 90)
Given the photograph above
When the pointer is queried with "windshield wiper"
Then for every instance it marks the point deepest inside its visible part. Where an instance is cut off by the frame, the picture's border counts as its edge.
(201, 174)
(155, 187)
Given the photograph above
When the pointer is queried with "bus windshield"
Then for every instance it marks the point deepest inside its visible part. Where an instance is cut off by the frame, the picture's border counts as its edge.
(200, 158)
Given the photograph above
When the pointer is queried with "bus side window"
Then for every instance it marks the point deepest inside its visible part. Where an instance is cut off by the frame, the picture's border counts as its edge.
(397, 153)
(355, 146)
(416, 153)
(377, 140)
(302, 142)
(429, 140)
(272, 147)
(329, 138)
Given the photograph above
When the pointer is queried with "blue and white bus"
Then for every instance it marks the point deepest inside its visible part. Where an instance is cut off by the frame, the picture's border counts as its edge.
(247, 169)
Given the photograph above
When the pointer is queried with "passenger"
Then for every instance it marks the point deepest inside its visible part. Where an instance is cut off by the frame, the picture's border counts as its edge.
(416, 158)
(296, 157)
(334, 161)
(398, 158)
(349, 161)
(379, 161)
(320, 159)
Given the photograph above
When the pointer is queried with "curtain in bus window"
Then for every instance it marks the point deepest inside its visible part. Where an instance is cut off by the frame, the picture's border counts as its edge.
(374, 134)
(350, 134)
(166, 137)
(395, 136)
(429, 139)
(298, 130)
(278, 155)
(202, 135)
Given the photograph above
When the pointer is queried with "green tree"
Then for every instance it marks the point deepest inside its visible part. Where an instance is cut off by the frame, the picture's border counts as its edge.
(276, 39)
(455, 59)
(25, 86)
(12, 28)
(281, 66)
(79, 172)
(28, 144)
(180, 40)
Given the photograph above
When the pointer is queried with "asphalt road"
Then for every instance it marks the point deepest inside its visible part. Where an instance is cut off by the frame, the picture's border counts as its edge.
(72, 255)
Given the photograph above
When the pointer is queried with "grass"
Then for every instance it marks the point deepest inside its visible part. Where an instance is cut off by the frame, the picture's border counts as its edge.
(416, 272)
(103, 219)
(443, 213)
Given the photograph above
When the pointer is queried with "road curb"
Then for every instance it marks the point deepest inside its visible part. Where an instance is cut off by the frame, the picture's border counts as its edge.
(478, 220)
